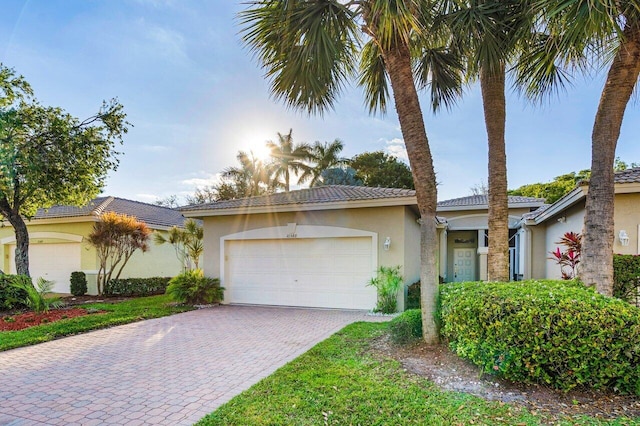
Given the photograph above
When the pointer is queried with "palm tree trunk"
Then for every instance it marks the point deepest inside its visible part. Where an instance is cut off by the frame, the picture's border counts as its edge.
(597, 249)
(492, 82)
(22, 236)
(398, 65)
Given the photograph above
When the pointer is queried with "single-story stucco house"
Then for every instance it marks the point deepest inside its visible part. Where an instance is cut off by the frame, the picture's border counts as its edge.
(319, 247)
(58, 242)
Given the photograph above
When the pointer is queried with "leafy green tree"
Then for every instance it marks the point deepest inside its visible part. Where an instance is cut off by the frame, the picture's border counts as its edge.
(323, 156)
(554, 190)
(378, 169)
(339, 176)
(287, 157)
(116, 237)
(310, 49)
(49, 157)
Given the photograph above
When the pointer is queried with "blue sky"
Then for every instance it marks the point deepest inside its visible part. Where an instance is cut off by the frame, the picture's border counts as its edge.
(196, 96)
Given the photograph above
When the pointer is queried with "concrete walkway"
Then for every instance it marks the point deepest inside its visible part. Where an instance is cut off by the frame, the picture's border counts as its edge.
(166, 371)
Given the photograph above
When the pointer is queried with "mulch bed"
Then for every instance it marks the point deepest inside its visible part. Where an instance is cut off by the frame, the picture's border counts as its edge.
(450, 372)
(20, 321)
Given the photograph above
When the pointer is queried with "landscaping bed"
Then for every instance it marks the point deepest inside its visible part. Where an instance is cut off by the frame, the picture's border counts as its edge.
(20, 321)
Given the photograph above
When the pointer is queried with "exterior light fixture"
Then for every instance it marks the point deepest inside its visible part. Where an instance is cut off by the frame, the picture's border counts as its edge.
(387, 244)
(623, 237)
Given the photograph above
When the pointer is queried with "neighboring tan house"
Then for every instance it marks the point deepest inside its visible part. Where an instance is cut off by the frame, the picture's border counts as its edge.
(542, 229)
(58, 242)
(319, 247)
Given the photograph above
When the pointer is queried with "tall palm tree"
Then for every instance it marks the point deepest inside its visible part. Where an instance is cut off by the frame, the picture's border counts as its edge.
(491, 33)
(310, 49)
(595, 33)
(287, 157)
(323, 156)
(251, 178)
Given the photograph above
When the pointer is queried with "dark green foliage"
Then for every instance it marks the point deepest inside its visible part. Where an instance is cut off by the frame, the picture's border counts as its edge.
(413, 296)
(12, 297)
(194, 288)
(553, 332)
(626, 277)
(78, 283)
(137, 286)
(378, 169)
(387, 283)
(406, 327)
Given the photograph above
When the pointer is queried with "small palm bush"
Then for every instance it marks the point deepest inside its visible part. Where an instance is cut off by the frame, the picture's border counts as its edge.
(37, 298)
(387, 283)
(194, 288)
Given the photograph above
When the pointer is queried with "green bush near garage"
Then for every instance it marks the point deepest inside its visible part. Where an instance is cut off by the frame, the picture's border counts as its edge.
(554, 332)
(137, 286)
(406, 327)
(12, 295)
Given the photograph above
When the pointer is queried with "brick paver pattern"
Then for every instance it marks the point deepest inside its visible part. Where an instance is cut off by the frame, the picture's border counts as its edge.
(166, 371)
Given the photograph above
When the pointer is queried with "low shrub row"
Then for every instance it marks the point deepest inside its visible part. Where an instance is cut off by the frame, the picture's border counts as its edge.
(555, 332)
(626, 277)
(193, 287)
(406, 327)
(12, 295)
(137, 286)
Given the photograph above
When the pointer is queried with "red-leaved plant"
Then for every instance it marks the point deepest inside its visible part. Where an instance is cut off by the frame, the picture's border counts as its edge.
(570, 257)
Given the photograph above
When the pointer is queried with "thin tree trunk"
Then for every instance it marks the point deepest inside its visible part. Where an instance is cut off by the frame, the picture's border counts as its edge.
(22, 236)
(492, 82)
(398, 64)
(597, 249)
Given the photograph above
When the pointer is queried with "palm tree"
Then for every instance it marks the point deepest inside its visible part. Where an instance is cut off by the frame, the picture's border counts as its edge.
(287, 157)
(324, 156)
(310, 50)
(491, 33)
(588, 33)
(251, 178)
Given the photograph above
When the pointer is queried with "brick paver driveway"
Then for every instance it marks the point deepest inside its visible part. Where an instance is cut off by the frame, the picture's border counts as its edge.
(170, 371)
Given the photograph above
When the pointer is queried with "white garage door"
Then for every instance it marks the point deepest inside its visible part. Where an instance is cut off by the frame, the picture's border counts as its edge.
(53, 262)
(318, 272)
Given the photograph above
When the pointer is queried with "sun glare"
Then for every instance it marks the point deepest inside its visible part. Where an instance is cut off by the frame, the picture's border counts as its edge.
(257, 143)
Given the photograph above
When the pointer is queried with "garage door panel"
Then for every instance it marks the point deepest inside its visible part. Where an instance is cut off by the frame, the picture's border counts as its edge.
(322, 272)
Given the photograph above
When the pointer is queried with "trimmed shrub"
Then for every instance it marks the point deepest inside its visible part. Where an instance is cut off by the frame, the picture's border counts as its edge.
(555, 332)
(406, 327)
(137, 286)
(626, 277)
(12, 296)
(194, 288)
(413, 296)
(78, 283)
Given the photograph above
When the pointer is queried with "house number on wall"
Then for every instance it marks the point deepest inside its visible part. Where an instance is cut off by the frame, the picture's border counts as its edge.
(292, 235)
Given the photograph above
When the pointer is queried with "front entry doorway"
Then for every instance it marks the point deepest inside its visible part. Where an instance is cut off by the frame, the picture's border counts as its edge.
(464, 264)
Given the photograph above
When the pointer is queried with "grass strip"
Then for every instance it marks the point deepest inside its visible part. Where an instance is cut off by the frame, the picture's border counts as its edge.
(116, 314)
(339, 383)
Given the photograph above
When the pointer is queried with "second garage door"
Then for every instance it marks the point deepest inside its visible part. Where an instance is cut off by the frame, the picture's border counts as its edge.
(53, 262)
(314, 272)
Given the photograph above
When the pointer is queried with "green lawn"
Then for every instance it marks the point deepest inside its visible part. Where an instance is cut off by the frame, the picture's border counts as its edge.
(117, 313)
(339, 383)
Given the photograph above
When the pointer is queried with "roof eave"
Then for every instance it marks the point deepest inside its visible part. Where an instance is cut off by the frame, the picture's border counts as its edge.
(577, 194)
(284, 208)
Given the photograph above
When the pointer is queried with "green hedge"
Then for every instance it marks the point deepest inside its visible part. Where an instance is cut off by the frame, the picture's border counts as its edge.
(12, 297)
(137, 286)
(406, 327)
(626, 276)
(554, 332)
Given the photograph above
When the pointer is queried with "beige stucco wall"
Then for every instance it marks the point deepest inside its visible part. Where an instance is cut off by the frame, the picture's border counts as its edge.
(158, 261)
(570, 220)
(627, 217)
(394, 222)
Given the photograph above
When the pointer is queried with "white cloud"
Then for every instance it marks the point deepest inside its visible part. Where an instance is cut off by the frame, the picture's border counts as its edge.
(149, 198)
(396, 148)
(199, 182)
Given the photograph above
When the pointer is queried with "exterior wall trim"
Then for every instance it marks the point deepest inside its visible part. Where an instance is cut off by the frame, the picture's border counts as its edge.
(56, 235)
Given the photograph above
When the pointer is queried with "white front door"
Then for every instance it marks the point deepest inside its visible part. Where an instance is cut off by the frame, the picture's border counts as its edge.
(464, 264)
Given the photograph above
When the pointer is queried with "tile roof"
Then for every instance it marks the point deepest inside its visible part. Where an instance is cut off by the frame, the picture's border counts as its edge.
(316, 195)
(483, 200)
(148, 213)
(628, 176)
(536, 212)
